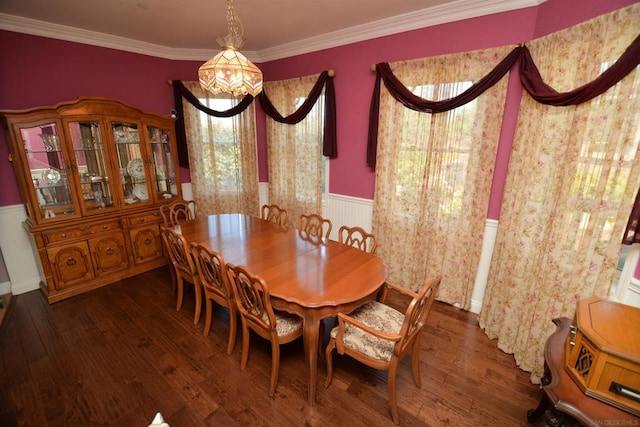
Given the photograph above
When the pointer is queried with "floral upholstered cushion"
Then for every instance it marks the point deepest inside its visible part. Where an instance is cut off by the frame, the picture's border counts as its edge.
(379, 317)
(285, 322)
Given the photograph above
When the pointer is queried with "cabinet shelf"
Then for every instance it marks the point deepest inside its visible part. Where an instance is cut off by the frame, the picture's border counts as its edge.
(29, 151)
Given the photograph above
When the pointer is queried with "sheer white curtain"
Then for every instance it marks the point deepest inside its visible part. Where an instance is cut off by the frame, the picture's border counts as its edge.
(434, 173)
(223, 160)
(295, 151)
(572, 179)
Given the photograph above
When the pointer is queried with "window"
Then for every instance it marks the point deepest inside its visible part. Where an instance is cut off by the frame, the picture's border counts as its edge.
(222, 155)
(297, 169)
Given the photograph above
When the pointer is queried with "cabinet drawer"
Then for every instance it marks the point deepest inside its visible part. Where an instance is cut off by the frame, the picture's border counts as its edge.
(145, 218)
(81, 230)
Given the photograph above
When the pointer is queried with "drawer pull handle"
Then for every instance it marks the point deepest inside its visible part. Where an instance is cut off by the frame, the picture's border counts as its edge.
(104, 227)
(71, 261)
(109, 251)
(141, 219)
(147, 241)
(64, 236)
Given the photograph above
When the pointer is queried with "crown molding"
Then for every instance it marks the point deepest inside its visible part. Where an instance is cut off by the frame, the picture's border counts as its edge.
(442, 14)
(78, 35)
(449, 12)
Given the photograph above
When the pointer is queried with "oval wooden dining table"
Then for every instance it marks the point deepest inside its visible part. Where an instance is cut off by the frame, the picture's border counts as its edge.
(314, 279)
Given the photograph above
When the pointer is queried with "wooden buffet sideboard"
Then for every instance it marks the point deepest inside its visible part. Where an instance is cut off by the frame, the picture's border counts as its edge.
(92, 174)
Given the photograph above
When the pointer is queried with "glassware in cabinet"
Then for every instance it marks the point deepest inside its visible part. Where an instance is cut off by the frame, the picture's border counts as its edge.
(47, 168)
(96, 182)
(131, 161)
(165, 184)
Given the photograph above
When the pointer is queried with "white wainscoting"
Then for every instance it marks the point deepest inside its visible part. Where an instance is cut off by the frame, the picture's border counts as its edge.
(488, 243)
(341, 210)
(5, 288)
(350, 211)
(17, 251)
(627, 290)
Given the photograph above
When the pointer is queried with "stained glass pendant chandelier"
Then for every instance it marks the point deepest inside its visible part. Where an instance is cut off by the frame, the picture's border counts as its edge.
(230, 71)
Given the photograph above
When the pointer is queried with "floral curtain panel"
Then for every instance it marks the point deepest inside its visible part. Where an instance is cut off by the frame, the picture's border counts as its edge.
(223, 160)
(295, 151)
(573, 176)
(433, 177)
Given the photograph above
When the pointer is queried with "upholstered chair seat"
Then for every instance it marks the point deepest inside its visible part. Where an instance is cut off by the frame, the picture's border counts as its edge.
(380, 317)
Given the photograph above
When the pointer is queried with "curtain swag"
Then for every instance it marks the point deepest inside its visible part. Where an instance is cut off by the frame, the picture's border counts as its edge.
(632, 231)
(179, 92)
(530, 79)
(329, 145)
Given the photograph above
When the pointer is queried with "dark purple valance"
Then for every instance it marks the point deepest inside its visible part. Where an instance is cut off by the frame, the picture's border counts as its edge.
(530, 79)
(403, 95)
(179, 92)
(329, 146)
(545, 94)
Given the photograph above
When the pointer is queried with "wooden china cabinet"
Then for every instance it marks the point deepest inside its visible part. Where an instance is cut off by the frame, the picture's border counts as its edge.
(93, 173)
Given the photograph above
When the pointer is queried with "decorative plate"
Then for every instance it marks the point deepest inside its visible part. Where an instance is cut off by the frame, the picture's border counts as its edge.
(136, 168)
(140, 191)
(51, 176)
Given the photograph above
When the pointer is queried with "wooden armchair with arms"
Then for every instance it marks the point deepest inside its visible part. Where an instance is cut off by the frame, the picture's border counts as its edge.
(380, 336)
(215, 283)
(256, 313)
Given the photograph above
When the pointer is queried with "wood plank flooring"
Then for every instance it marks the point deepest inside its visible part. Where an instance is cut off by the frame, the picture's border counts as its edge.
(119, 354)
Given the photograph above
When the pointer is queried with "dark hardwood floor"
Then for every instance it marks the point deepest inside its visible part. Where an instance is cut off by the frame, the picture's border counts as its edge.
(119, 354)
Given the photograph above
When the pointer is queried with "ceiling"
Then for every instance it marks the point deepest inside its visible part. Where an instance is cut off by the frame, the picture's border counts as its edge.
(187, 29)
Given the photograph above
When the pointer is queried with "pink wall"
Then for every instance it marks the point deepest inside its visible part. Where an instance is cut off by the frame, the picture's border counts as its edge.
(80, 70)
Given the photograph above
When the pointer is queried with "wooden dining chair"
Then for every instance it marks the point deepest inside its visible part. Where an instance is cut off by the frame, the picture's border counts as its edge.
(380, 336)
(178, 210)
(276, 214)
(359, 238)
(183, 267)
(256, 313)
(215, 284)
(314, 226)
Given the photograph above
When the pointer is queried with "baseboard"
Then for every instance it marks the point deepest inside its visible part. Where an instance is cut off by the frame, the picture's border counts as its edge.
(25, 286)
(476, 306)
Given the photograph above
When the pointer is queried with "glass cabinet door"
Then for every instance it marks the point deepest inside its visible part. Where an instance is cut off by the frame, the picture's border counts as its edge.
(46, 163)
(133, 177)
(165, 185)
(92, 168)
